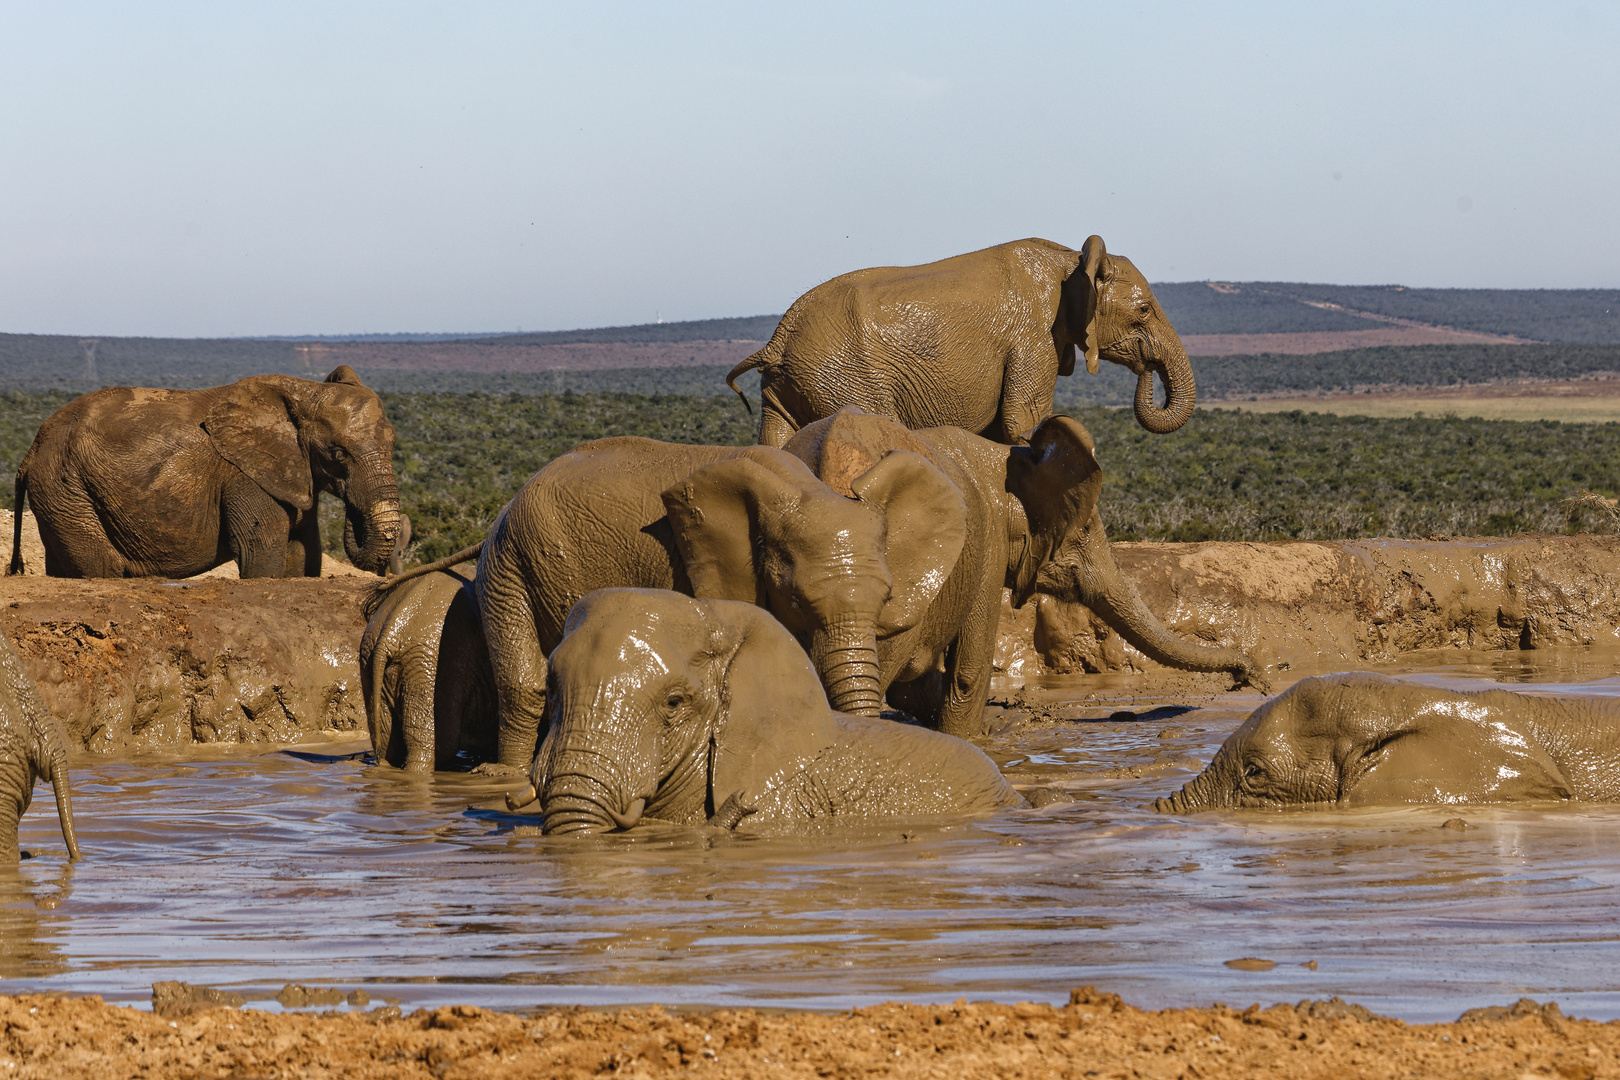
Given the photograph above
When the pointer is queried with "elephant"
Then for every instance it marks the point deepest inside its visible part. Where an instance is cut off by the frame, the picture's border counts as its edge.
(1361, 739)
(135, 482)
(708, 711)
(31, 749)
(976, 341)
(1032, 525)
(734, 523)
(425, 674)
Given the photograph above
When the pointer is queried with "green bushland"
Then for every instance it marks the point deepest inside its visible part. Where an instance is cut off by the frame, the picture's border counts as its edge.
(1224, 476)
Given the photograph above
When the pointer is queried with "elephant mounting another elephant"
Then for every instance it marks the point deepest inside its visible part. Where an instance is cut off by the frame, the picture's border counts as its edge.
(134, 482)
(976, 341)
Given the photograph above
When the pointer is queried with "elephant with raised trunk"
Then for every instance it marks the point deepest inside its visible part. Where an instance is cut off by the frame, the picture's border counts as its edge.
(735, 523)
(976, 341)
(1031, 526)
(1360, 739)
(708, 711)
(133, 482)
(31, 749)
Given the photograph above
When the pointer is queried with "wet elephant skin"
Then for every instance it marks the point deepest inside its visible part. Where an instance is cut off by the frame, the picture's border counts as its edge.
(1362, 739)
(136, 482)
(976, 341)
(750, 524)
(425, 675)
(31, 749)
(1032, 524)
(693, 711)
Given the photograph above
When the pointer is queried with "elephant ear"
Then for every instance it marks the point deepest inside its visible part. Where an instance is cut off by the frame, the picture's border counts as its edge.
(1058, 480)
(1080, 303)
(715, 514)
(343, 373)
(774, 717)
(926, 524)
(252, 428)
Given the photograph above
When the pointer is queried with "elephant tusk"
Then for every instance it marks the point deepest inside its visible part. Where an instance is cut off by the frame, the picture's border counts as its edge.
(523, 798)
(628, 819)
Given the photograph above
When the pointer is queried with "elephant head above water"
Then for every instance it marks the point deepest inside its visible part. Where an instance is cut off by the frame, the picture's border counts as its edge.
(694, 711)
(131, 482)
(1360, 739)
(976, 341)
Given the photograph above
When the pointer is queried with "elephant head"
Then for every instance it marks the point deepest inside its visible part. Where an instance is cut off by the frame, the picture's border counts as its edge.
(763, 529)
(1108, 311)
(294, 438)
(1360, 739)
(669, 707)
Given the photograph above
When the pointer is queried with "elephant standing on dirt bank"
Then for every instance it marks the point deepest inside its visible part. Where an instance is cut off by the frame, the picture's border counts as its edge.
(31, 749)
(133, 482)
(976, 342)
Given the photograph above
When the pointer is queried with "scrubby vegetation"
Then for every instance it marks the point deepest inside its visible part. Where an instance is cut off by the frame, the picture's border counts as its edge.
(1226, 475)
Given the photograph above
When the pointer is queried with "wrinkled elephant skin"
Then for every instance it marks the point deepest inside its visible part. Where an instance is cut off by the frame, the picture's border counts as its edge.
(976, 341)
(1360, 739)
(708, 711)
(735, 523)
(31, 749)
(1031, 524)
(135, 482)
(425, 675)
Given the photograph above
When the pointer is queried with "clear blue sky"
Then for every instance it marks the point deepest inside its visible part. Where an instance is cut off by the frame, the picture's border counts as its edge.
(212, 169)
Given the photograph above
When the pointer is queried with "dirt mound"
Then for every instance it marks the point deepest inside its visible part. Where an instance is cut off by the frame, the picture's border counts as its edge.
(127, 665)
(1094, 1035)
(1360, 601)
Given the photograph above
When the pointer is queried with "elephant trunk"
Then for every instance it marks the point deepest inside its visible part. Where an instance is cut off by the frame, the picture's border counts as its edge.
(579, 794)
(371, 525)
(1181, 392)
(1202, 792)
(847, 662)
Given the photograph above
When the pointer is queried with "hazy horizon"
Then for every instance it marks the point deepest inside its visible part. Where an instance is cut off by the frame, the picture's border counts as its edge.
(187, 170)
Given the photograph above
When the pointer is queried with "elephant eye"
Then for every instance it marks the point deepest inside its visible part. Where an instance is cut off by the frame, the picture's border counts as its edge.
(1253, 771)
(675, 700)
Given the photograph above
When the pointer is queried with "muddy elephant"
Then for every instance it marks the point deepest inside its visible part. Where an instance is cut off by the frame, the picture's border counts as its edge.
(131, 482)
(425, 674)
(734, 523)
(1360, 739)
(31, 749)
(694, 711)
(1032, 525)
(976, 342)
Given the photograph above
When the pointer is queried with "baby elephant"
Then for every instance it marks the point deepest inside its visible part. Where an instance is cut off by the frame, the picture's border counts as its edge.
(1360, 739)
(31, 749)
(695, 711)
(425, 674)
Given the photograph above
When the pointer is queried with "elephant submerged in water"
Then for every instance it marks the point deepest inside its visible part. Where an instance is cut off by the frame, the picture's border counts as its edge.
(1361, 739)
(694, 711)
(31, 749)
(976, 341)
(1031, 525)
(135, 482)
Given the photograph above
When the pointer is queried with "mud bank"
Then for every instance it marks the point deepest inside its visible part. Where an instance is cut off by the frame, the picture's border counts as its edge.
(131, 665)
(1308, 604)
(1094, 1035)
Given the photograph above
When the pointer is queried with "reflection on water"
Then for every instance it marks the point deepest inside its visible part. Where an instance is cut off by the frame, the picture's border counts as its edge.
(251, 872)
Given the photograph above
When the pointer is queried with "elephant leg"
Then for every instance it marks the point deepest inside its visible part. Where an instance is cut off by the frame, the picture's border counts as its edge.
(256, 529)
(969, 665)
(304, 544)
(16, 791)
(416, 714)
(518, 664)
(775, 429)
(1101, 587)
(1027, 388)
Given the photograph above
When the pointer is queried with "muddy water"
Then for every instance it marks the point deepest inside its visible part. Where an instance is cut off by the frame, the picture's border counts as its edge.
(254, 870)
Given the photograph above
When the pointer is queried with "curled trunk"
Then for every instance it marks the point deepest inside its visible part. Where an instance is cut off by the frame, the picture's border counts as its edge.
(848, 666)
(371, 526)
(1181, 392)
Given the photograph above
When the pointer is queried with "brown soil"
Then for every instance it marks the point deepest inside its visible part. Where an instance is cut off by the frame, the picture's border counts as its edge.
(1095, 1035)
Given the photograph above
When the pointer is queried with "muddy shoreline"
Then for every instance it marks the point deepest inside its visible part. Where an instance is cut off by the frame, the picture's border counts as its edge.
(1094, 1035)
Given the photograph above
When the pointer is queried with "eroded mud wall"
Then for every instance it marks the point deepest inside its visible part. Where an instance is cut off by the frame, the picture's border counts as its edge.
(1353, 601)
(128, 665)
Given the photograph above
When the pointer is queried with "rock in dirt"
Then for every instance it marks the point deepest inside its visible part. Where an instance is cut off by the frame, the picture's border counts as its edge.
(175, 999)
(298, 996)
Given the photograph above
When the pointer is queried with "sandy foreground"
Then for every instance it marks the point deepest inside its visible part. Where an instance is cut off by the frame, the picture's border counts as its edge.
(1095, 1035)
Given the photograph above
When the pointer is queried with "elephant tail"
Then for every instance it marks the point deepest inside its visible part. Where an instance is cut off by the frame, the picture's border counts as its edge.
(18, 496)
(374, 597)
(747, 365)
(64, 805)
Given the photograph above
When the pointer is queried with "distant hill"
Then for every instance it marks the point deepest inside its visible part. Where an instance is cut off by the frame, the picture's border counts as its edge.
(746, 328)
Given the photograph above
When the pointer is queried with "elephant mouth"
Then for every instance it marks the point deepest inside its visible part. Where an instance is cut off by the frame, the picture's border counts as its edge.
(579, 813)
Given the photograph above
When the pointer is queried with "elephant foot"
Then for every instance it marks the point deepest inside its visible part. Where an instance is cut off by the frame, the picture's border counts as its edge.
(499, 771)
